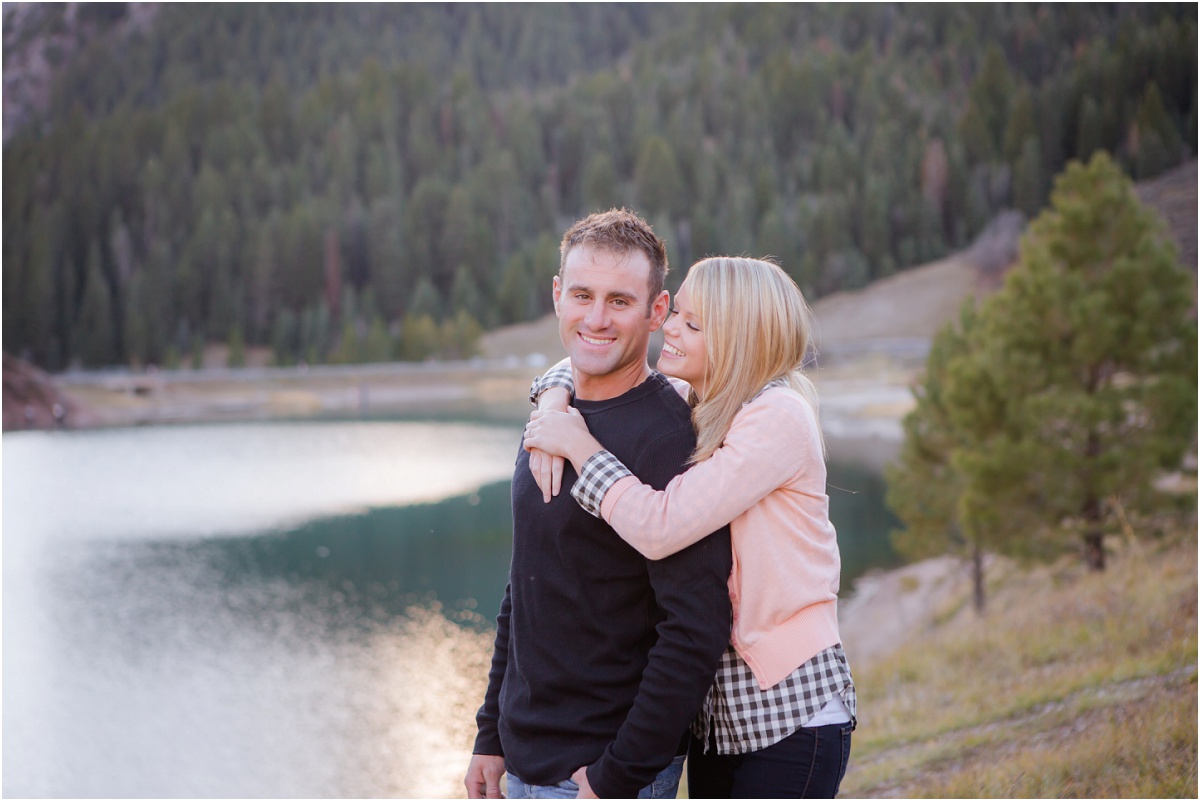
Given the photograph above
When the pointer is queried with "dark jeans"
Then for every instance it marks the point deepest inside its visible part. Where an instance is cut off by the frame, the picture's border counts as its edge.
(808, 764)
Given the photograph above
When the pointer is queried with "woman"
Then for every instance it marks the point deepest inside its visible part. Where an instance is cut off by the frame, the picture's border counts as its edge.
(738, 334)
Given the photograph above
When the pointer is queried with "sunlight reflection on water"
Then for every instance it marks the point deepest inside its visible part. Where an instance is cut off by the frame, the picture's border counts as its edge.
(236, 478)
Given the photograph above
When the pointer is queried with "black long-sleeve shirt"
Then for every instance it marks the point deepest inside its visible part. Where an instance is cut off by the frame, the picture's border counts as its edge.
(602, 657)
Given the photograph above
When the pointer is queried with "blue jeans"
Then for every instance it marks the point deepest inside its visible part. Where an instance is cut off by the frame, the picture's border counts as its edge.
(808, 764)
(666, 785)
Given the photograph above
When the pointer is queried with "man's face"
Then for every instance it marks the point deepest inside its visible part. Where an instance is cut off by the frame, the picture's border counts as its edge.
(605, 317)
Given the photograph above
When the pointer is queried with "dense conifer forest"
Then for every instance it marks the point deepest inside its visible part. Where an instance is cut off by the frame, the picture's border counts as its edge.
(352, 182)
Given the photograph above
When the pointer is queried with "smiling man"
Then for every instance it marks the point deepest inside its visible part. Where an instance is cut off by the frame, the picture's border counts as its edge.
(601, 657)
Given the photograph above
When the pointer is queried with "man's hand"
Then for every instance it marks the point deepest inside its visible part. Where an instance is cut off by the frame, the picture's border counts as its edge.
(580, 778)
(483, 776)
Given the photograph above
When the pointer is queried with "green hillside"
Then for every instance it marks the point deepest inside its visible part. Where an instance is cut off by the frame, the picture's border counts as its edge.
(1075, 685)
(358, 182)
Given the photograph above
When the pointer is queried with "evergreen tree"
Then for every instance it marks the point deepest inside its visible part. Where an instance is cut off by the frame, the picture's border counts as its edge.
(986, 111)
(1028, 192)
(1021, 124)
(347, 350)
(599, 184)
(515, 301)
(460, 336)
(237, 348)
(923, 485)
(1080, 386)
(136, 335)
(284, 338)
(378, 346)
(96, 329)
(657, 177)
(419, 338)
(466, 295)
(385, 248)
(33, 320)
(1155, 143)
(425, 301)
(1090, 127)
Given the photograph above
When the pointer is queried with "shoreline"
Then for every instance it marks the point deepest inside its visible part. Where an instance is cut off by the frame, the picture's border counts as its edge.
(862, 400)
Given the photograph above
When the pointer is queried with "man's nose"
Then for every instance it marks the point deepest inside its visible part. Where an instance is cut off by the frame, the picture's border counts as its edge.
(597, 316)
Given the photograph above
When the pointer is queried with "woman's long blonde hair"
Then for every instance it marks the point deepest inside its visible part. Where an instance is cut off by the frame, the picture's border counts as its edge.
(756, 328)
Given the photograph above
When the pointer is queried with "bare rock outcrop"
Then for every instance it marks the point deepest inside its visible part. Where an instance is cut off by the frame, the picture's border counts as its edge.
(32, 400)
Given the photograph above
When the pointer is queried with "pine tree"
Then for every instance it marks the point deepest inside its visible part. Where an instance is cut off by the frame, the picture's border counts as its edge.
(657, 177)
(1155, 143)
(923, 484)
(459, 338)
(237, 348)
(1021, 124)
(418, 337)
(1079, 389)
(465, 294)
(1028, 192)
(986, 114)
(135, 323)
(378, 347)
(599, 184)
(34, 318)
(425, 300)
(96, 330)
(515, 301)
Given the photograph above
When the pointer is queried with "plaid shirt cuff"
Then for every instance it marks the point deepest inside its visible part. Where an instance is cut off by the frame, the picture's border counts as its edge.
(557, 376)
(597, 477)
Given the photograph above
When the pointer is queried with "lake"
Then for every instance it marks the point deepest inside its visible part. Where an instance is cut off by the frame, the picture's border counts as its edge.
(267, 609)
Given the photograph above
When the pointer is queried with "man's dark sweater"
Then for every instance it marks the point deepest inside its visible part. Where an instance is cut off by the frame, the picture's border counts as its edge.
(602, 657)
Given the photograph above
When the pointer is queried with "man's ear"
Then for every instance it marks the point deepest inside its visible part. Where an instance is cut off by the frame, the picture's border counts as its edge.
(658, 310)
(557, 294)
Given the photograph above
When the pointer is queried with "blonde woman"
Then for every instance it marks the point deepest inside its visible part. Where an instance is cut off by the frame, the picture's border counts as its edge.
(778, 718)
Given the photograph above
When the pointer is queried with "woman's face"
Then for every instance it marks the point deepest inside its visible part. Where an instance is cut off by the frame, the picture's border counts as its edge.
(684, 354)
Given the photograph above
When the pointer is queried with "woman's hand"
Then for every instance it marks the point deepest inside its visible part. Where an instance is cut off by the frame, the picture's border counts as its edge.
(561, 434)
(547, 470)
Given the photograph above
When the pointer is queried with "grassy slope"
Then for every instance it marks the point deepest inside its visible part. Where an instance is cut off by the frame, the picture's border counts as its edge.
(1072, 685)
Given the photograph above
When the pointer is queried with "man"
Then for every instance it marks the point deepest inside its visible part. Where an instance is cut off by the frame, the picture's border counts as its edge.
(601, 657)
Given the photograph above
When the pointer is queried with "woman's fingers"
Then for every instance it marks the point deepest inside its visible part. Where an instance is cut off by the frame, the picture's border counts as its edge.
(541, 465)
(556, 473)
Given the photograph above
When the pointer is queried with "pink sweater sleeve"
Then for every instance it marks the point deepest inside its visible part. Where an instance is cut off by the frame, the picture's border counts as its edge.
(765, 447)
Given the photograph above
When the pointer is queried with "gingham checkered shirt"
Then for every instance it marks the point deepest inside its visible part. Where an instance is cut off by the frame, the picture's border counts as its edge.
(743, 717)
(557, 376)
(596, 478)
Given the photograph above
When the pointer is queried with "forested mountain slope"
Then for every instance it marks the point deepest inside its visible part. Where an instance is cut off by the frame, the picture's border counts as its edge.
(362, 182)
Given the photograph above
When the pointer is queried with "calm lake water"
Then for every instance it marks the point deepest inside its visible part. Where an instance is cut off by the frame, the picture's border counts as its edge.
(267, 610)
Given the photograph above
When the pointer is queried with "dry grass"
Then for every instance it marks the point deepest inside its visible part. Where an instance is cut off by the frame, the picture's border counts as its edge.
(1073, 685)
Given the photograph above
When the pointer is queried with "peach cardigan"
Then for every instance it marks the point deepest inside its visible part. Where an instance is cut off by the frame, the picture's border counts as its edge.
(768, 481)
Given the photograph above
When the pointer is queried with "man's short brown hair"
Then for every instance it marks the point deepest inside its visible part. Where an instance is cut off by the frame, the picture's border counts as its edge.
(619, 231)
